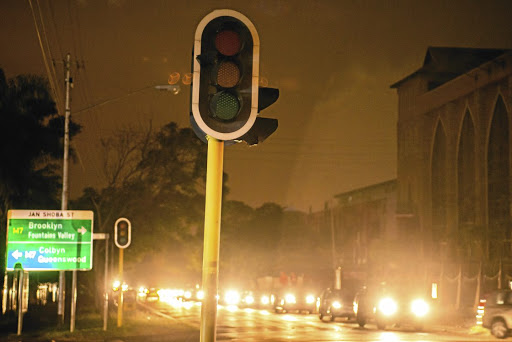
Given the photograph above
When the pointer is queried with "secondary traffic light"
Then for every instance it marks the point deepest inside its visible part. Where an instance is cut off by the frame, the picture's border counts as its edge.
(225, 75)
(122, 232)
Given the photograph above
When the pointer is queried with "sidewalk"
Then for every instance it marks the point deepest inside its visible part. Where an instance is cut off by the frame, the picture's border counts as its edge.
(40, 324)
(460, 322)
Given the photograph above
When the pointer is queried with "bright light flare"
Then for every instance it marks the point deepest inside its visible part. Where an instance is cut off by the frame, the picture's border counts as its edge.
(200, 295)
(388, 306)
(232, 297)
(116, 284)
(249, 299)
(265, 300)
(289, 318)
(310, 299)
(290, 298)
(336, 305)
(419, 307)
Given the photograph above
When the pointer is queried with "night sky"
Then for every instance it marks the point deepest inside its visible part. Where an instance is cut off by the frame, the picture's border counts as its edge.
(333, 62)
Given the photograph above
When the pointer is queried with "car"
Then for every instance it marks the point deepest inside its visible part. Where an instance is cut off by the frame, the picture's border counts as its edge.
(248, 299)
(495, 312)
(392, 306)
(152, 296)
(193, 294)
(336, 303)
(295, 300)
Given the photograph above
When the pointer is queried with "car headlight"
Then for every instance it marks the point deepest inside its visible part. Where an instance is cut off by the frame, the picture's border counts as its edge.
(290, 299)
(249, 299)
(310, 299)
(200, 295)
(232, 297)
(265, 300)
(419, 307)
(387, 306)
(336, 304)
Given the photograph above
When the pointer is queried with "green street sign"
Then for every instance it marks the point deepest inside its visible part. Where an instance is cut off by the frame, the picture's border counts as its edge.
(50, 240)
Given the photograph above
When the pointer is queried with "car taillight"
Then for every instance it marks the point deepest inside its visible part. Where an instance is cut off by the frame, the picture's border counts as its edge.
(480, 311)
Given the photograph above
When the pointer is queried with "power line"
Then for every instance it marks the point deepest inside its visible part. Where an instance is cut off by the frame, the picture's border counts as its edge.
(46, 64)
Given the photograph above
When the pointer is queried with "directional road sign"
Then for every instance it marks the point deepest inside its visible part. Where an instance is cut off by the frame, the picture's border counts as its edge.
(51, 240)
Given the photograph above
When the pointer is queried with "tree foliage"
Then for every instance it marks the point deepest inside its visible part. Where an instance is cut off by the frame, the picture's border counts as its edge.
(155, 179)
(31, 146)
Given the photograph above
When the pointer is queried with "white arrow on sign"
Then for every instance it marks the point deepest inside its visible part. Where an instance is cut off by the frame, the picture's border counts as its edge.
(17, 254)
(82, 230)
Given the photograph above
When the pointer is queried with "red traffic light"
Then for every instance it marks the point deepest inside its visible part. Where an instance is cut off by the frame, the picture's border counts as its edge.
(228, 42)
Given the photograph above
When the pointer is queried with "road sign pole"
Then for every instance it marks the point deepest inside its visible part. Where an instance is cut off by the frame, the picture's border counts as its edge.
(120, 298)
(73, 302)
(211, 238)
(20, 300)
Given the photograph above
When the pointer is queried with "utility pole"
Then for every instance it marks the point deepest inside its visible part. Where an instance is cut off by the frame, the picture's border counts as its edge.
(64, 202)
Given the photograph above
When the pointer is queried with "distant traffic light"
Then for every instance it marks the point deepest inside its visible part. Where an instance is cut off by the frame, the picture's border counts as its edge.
(225, 92)
(122, 232)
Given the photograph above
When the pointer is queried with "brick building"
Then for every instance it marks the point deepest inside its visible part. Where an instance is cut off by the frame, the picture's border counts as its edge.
(449, 210)
(454, 156)
(360, 226)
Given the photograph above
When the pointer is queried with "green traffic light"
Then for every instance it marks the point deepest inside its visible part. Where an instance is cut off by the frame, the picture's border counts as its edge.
(225, 106)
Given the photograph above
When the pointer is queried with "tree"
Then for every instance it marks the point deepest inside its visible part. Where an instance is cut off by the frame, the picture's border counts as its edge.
(156, 180)
(31, 146)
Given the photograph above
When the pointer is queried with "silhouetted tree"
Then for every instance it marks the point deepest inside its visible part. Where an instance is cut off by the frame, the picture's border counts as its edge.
(31, 147)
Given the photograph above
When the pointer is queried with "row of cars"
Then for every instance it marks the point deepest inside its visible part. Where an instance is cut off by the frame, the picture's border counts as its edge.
(381, 305)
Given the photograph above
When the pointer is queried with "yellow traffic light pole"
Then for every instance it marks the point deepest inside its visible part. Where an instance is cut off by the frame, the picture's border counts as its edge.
(213, 203)
(120, 295)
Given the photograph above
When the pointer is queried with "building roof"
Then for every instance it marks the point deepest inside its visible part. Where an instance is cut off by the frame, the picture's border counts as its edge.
(367, 191)
(441, 64)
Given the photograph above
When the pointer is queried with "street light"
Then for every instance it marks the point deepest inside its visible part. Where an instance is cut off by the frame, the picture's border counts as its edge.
(174, 88)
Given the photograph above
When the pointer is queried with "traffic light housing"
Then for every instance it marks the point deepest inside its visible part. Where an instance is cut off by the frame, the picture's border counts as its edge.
(225, 92)
(122, 232)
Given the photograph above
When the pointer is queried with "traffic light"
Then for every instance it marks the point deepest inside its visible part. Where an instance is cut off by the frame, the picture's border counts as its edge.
(225, 92)
(122, 232)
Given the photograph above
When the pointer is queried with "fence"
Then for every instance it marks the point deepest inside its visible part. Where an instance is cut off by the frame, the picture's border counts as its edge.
(461, 286)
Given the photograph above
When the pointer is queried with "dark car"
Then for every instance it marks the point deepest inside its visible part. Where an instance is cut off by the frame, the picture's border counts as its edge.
(296, 300)
(336, 303)
(391, 306)
(495, 312)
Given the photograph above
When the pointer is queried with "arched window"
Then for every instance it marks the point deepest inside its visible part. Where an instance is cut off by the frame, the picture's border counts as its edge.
(498, 174)
(439, 183)
(466, 195)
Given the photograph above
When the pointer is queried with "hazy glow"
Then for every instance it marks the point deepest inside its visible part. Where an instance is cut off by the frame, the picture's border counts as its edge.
(290, 298)
(387, 306)
(289, 318)
(232, 297)
(419, 307)
(388, 337)
(310, 299)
